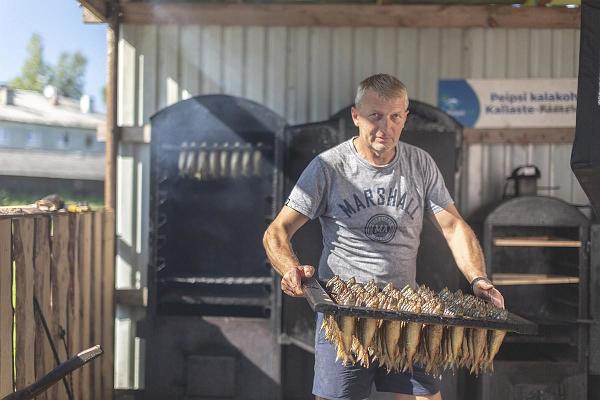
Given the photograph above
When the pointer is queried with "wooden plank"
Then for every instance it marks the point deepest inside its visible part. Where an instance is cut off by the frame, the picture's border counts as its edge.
(97, 8)
(190, 62)
(474, 64)
(473, 181)
(42, 290)
(320, 73)
(85, 265)
(501, 279)
(537, 241)
(23, 236)
(147, 99)
(561, 171)
(6, 310)
(298, 74)
(406, 52)
(127, 76)
(60, 281)
(96, 327)
(363, 62)
(74, 300)
(343, 86)
(168, 65)
(495, 53)
(385, 56)
(254, 64)
(108, 314)
(451, 54)
(439, 16)
(429, 62)
(518, 53)
(275, 65)
(233, 60)
(520, 136)
(211, 59)
(132, 297)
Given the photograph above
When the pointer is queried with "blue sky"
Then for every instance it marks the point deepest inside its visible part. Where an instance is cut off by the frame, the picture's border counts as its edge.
(60, 24)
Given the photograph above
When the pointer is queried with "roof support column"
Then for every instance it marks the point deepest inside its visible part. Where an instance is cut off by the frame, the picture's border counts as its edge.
(112, 130)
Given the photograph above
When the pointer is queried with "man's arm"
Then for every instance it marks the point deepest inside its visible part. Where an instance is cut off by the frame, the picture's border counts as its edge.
(466, 251)
(279, 250)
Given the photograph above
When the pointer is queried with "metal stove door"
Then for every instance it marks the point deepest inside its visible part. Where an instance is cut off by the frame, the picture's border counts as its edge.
(304, 142)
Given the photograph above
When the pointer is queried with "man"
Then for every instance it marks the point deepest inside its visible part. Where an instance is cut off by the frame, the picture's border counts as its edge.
(371, 194)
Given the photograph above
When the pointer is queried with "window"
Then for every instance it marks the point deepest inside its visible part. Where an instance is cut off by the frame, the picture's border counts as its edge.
(34, 139)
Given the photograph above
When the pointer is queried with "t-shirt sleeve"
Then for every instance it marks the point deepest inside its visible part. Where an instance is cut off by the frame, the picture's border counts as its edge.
(437, 196)
(308, 197)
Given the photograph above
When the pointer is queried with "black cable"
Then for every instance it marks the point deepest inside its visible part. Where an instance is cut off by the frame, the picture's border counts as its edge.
(54, 351)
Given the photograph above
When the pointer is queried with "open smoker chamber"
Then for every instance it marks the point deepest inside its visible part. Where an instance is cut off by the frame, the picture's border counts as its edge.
(320, 301)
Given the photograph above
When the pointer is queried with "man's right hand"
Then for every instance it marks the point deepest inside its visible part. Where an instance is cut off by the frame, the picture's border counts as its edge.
(291, 282)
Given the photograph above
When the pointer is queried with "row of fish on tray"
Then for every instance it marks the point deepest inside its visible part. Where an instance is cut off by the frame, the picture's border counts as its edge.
(397, 345)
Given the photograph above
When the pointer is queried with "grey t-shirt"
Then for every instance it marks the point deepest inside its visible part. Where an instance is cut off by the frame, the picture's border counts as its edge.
(371, 216)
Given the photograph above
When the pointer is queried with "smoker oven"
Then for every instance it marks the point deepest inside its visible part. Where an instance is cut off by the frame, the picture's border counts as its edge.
(215, 186)
(537, 253)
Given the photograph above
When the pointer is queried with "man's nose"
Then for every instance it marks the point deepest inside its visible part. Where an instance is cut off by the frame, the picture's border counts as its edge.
(384, 124)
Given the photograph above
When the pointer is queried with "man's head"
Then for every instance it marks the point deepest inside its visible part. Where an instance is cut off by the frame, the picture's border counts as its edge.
(386, 86)
(380, 112)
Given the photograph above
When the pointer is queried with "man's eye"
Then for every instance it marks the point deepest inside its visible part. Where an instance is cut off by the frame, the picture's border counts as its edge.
(375, 116)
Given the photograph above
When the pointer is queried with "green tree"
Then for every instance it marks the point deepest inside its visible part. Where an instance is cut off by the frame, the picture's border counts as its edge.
(34, 70)
(67, 75)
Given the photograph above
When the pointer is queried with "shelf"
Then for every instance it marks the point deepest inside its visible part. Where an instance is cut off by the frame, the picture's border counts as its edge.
(505, 279)
(536, 241)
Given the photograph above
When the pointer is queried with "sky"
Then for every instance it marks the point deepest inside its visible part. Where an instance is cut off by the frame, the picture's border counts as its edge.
(60, 24)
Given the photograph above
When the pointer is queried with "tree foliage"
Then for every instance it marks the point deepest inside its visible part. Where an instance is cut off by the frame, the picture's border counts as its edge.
(34, 71)
(67, 75)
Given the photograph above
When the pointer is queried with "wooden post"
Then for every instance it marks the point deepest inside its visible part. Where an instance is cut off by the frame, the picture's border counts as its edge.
(85, 283)
(24, 317)
(60, 278)
(108, 305)
(112, 139)
(74, 303)
(41, 263)
(97, 301)
(6, 311)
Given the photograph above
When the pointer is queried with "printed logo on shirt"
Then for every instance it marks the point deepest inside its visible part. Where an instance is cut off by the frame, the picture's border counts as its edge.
(394, 198)
(381, 228)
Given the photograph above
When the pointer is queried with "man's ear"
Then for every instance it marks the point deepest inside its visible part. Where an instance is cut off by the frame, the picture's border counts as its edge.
(354, 113)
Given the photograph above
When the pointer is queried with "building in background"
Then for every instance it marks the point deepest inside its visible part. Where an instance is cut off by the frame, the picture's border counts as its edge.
(48, 145)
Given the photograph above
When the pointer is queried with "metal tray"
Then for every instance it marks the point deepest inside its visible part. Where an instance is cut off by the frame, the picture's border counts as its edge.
(320, 301)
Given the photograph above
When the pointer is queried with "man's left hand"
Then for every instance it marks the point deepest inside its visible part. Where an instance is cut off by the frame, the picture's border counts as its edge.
(487, 291)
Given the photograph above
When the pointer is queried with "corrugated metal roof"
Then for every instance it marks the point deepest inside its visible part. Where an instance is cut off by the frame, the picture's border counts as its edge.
(33, 108)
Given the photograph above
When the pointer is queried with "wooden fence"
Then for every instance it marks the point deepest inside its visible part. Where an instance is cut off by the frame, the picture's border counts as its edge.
(65, 261)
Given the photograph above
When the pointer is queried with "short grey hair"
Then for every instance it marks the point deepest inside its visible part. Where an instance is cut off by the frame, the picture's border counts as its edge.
(386, 86)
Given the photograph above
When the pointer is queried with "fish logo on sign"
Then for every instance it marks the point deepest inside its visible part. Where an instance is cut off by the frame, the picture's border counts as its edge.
(381, 228)
(457, 98)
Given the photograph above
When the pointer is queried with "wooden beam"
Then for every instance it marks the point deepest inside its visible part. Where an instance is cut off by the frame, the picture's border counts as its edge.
(518, 135)
(414, 16)
(112, 139)
(6, 309)
(132, 297)
(95, 9)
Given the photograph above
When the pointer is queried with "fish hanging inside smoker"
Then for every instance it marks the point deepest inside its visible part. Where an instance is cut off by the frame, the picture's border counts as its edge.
(397, 345)
(220, 160)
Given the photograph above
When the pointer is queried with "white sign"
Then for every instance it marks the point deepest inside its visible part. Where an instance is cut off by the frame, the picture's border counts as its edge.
(510, 103)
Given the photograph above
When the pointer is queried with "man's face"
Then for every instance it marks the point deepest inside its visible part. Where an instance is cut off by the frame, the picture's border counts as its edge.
(380, 122)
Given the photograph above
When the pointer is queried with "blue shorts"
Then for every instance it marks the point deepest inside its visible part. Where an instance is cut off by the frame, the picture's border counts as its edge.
(353, 382)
